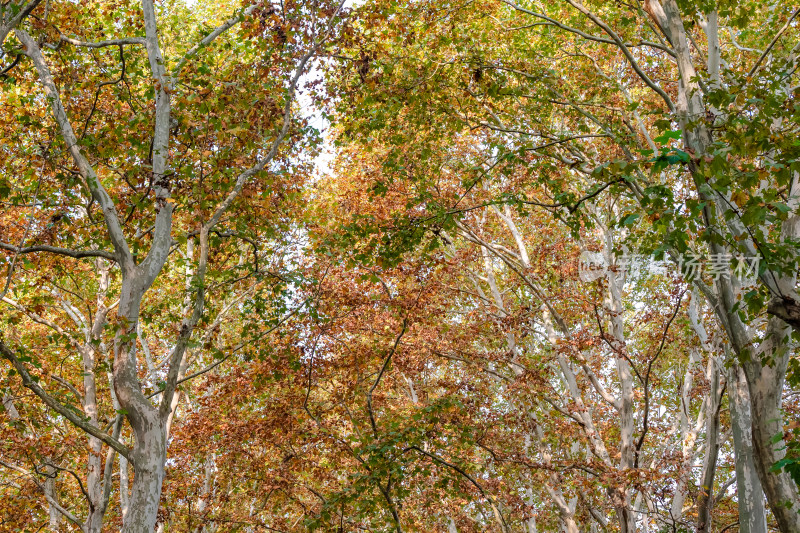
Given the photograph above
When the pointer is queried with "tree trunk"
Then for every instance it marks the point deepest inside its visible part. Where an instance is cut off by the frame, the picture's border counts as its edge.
(765, 384)
(705, 499)
(615, 308)
(94, 477)
(50, 490)
(124, 488)
(750, 497)
(451, 526)
(149, 455)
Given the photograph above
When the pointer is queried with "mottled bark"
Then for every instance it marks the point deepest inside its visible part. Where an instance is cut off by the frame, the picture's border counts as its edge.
(749, 495)
(705, 497)
(764, 370)
(765, 374)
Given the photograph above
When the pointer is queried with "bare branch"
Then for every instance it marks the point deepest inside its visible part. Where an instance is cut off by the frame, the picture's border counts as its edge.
(772, 44)
(69, 516)
(380, 375)
(498, 515)
(187, 328)
(103, 44)
(645, 384)
(219, 30)
(76, 420)
(68, 471)
(13, 64)
(467, 362)
(123, 254)
(75, 254)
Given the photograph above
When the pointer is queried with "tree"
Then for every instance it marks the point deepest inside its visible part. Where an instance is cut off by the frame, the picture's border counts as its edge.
(485, 325)
(585, 101)
(173, 150)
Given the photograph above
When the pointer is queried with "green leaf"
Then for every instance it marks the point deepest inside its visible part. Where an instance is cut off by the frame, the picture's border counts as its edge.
(630, 219)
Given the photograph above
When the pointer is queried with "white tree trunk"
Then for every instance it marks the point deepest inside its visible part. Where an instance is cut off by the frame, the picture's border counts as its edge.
(765, 384)
(705, 497)
(50, 492)
(749, 495)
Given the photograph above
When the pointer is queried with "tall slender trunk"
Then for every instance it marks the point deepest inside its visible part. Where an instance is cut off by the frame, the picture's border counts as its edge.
(208, 479)
(750, 497)
(688, 431)
(765, 384)
(95, 466)
(705, 498)
(614, 307)
(94, 486)
(92, 346)
(124, 488)
(50, 490)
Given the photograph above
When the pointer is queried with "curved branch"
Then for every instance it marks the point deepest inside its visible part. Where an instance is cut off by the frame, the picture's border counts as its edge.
(100, 86)
(471, 479)
(574, 207)
(75, 254)
(76, 420)
(219, 30)
(553, 22)
(68, 471)
(4, 72)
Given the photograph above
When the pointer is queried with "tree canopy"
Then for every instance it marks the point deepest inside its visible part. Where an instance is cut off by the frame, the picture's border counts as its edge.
(515, 266)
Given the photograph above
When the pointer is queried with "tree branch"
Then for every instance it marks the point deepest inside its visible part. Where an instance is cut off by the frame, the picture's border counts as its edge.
(103, 44)
(75, 254)
(436, 458)
(76, 420)
(621, 45)
(219, 30)
(69, 516)
(380, 375)
(646, 383)
(287, 120)
(123, 254)
(553, 22)
(6, 28)
(162, 233)
(772, 44)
